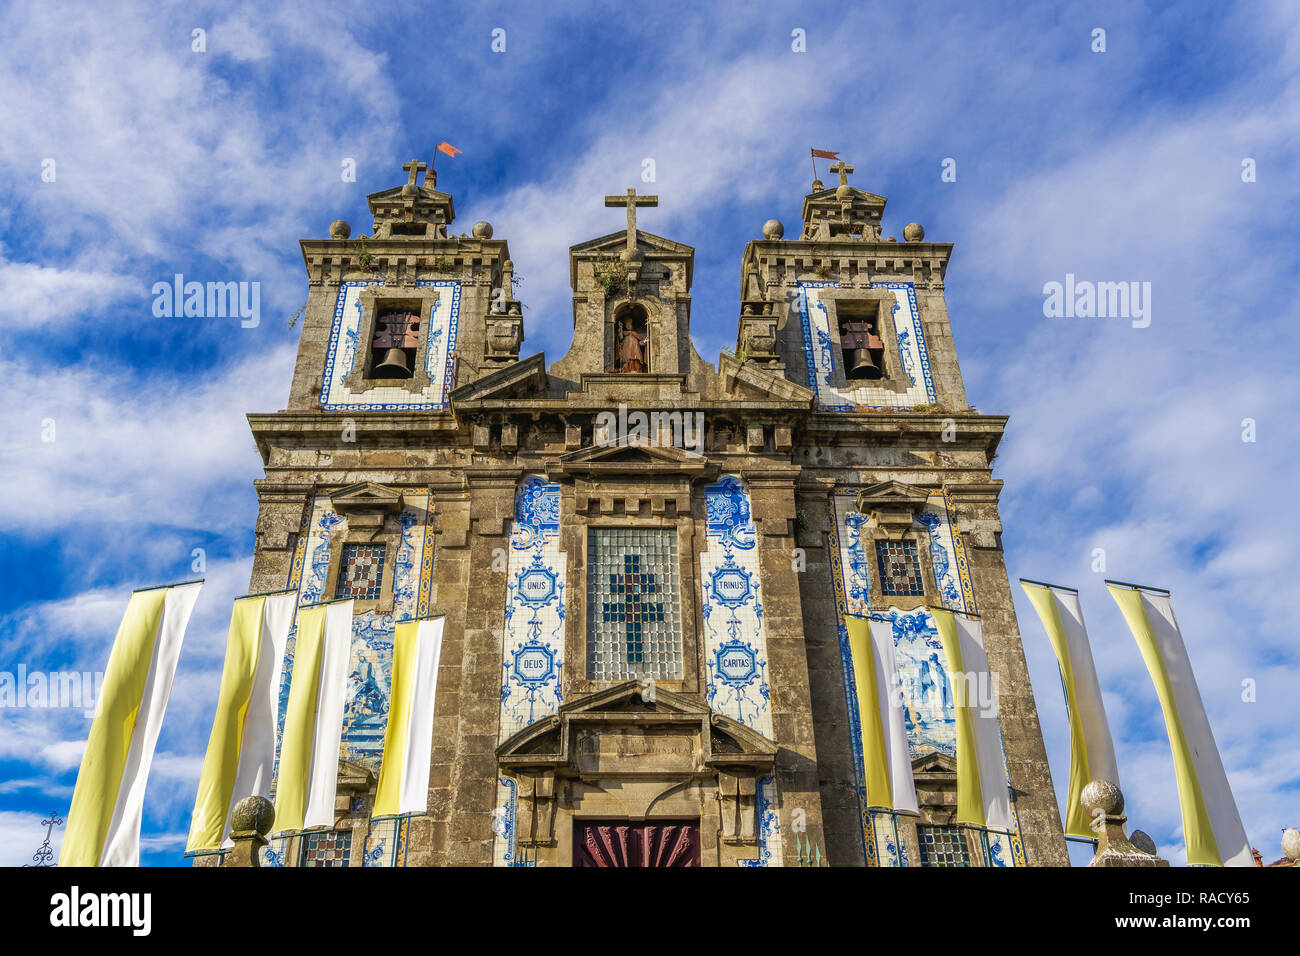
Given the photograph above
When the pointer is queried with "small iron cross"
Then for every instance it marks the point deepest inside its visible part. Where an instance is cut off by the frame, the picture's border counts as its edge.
(631, 200)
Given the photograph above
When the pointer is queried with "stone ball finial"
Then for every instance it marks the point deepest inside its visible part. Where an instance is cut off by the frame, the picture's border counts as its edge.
(1291, 843)
(773, 229)
(1142, 841)
(1104, 796)
(339, 229)
(482, 230)
(914, 232)
(844, 191)
(253, 813)
(817, 186)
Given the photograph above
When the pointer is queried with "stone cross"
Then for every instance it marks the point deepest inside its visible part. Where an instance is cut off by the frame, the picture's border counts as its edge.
(414, 167)
(843, 169)
(631, 200)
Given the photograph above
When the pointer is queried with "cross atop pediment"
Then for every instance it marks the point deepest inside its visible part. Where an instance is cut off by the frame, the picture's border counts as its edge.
(842, 169)
(414, 167)
(631, 201)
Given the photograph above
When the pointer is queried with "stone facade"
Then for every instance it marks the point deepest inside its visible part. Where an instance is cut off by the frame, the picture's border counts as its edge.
(763, 487)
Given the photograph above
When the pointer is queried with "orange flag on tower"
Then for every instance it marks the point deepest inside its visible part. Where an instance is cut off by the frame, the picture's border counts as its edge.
(449, 149)
(825, 154)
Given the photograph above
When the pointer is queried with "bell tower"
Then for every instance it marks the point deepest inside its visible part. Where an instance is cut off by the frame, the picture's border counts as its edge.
(899, 513)
(632, 310)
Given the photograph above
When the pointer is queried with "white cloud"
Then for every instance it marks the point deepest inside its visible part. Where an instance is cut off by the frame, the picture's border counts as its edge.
(33, 295)
(154, 451)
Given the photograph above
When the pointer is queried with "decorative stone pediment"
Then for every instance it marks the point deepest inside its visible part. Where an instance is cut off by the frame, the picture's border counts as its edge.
(366, 503)
(648, 245)
(631, 730)
(751, 380)
(643, 744)
(892, 506)
(415, 210)
(631, 457)
(516, 380)
(842, 213)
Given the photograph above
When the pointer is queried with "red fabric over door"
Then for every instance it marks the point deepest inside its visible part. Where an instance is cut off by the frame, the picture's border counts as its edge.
(609, 844)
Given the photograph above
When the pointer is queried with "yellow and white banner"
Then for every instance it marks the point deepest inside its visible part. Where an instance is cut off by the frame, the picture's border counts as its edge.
(983, 796)
(408, 741)
(241, 750)
(1212, 826)
(108, 801)
(886, 765)
(307, 781)
(1092, 752)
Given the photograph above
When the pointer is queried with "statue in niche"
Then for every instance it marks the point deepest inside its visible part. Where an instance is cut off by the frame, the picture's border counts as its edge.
(629, 347)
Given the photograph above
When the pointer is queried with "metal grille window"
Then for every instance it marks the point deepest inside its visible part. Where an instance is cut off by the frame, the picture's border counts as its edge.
(326, 848)
(943, 846)
(900, 568)
(634, 610)
(361, 572)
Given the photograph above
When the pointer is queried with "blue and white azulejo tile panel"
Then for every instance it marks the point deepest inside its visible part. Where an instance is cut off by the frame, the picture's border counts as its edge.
(735, 641)
(371, 663)
(927, 692)
(826, 366)
(532, 651)
(346, 349)
(767, 825)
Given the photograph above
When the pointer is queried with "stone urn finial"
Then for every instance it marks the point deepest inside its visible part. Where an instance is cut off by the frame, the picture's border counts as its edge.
(1102, 797)
(250, 822)
(1104, 802)
(1291, 844)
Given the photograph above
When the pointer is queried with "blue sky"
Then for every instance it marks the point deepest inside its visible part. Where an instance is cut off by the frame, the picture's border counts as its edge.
(1115, 166)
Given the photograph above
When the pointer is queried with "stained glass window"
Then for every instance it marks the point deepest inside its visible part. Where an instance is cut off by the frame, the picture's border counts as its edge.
(943, 846)
(361, 572)
(326, 848)
(900, 568)
(634, 612)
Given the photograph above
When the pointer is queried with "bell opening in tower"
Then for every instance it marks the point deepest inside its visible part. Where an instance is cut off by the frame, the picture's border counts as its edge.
(392, 350)
(864, 350)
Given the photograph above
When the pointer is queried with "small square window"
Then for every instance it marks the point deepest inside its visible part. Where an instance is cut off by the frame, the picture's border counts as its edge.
(943, 846)
(326, 848)
(361, 572)
(900, 568)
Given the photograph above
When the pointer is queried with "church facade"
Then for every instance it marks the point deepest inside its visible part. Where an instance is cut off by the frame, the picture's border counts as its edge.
(645, 560)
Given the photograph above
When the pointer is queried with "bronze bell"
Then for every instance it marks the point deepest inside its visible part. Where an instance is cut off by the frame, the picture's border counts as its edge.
(393, 366)
(861, 338)
(863, 366)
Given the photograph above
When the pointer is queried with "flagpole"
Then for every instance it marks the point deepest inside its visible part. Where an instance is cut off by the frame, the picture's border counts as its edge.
(1138, 587)
(814, 163)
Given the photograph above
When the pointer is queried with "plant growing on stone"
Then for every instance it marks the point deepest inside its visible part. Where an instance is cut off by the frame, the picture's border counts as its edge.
(608, 271)
(365, 258)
